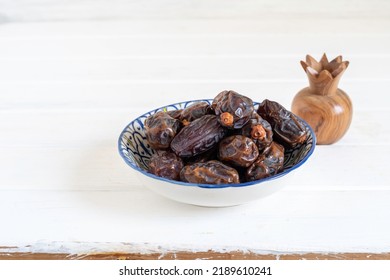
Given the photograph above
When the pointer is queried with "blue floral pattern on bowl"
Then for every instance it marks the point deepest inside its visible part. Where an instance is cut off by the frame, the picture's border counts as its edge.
(135, 150)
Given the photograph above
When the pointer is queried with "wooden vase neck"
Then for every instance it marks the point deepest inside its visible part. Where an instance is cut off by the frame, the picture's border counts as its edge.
(324, 76)
(324, 83)
(323, 88)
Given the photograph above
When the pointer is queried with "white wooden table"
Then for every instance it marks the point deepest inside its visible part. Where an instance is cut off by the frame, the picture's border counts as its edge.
(73, 75)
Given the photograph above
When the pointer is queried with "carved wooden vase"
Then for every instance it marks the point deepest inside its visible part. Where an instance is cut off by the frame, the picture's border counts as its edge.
(325, 107)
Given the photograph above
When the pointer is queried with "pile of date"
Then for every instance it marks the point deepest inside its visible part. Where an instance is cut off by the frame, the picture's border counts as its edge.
(227, 142)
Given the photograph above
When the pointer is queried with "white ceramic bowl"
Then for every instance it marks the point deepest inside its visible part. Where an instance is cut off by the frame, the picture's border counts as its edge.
(136, 152)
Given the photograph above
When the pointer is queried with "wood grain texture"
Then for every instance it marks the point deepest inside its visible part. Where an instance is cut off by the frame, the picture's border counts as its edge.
(329, 115)
(326, 108)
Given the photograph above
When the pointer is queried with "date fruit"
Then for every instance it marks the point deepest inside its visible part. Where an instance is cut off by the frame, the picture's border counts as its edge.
(288, 129)
(203, 157)
(166, 164)
(160, 129)
(259, 130)
(232, 109)
(210, 172)
(198, 136)
(267, 164)
(195, 111)
(238, 150)
(175, 113)
(223, 143)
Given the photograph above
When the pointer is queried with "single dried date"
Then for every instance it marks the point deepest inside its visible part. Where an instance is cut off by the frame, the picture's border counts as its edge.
(259, 130)
(160, 129)
(233, 109)
(175, 113)
(267, 164)
(211, 172)
(288, 129)
(198, 136)
(166, 164)
(238, 150)
(195, 111)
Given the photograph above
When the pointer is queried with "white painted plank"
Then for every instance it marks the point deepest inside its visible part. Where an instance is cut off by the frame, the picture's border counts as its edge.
(195, 45)
(179, 69)
(98, 168)
(66, 129)
(139, 97)
(288, 221)
(44, 10)
(221, 27)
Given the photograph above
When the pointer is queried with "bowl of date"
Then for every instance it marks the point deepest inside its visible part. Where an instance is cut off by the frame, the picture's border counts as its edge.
(182, 152)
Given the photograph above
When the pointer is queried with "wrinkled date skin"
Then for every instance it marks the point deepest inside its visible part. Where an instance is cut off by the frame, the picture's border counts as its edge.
(288, 129)
(238, 150)
(167, 165)
(259, 130)
(267, 164)
(160, 129)
(211, 172)
(222, 143)
(175, 113)
(195, 111)
(197, 137)
(233, 110)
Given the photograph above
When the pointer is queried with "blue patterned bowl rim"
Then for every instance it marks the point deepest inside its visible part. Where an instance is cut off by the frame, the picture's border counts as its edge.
(210, 186)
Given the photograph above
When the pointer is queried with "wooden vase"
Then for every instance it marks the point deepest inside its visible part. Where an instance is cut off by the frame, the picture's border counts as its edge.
(325, 107)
